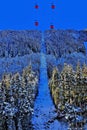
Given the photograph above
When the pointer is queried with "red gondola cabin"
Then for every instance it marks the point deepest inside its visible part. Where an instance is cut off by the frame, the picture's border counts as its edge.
(36, 6)
(51, 26)
(36, 23)
(52, 6)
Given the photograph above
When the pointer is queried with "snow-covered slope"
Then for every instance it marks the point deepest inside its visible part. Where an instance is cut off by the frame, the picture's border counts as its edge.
(85, 44)
(62, 42)
(13, 43)
(16, 64)
(44, 117)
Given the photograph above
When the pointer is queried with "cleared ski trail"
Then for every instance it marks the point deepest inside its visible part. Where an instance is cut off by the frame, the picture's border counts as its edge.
(44, 109)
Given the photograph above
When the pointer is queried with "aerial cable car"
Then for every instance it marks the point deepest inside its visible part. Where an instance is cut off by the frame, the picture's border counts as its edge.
(36, 23)
(51, 26)
(53, 6)
(36, 6)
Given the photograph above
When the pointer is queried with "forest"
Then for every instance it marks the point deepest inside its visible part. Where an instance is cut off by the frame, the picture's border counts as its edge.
(37, 69)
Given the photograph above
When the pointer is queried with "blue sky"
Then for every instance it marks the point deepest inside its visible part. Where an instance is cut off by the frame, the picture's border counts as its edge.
(20, 14)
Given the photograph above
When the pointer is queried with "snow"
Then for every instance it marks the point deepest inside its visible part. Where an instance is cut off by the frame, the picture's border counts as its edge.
(16, 64)
(44, 110)
(85, 44)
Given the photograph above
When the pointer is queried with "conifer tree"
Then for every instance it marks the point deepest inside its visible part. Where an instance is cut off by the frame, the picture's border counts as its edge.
(84, 70)
(67, 82)
(54, 84)
(1, 107)
(55, 78)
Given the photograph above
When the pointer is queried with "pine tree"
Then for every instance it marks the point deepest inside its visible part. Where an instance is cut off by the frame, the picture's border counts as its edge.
(67, 82)
(78, 73)
(55, 78)
(1, 107)
(78, 87)
(54, 84)
(18, 89)
(84, 70)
